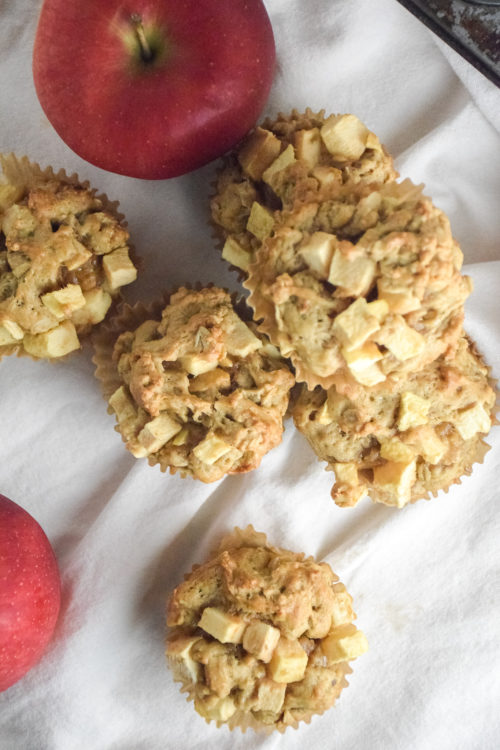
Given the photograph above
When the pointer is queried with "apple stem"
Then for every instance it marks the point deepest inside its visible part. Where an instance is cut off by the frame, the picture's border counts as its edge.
(147, 54)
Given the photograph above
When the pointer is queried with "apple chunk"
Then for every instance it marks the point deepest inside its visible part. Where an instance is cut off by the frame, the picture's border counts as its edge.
(153, 88)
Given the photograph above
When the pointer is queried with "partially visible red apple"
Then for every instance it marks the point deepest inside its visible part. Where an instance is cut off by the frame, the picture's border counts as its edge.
(30, 592)
(153, 88)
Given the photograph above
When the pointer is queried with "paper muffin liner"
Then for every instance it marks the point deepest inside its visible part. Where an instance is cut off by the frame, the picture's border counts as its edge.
(241, 720)
(128, 318)
(21, 172)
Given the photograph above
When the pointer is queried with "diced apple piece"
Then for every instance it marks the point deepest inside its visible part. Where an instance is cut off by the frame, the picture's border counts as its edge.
(317, 252)
(288, 662)
(284, 160)
(178, 652)
(234, 253)
(118, 268)
(426, 442)
(341, 609)
(97, 304)
(212, 448)
(308, 146)
(345, 137)
(54, 343)
(458, 258)
(365, 356)
(323, 415)
(349, 495)
(136, 449)
(402, 341)
(260, 639)
(217, 378)
(355, 324)
(344, 643)
(346, 473)
(196, 364)
(373, 142)
(368, 204)
(399, 300)
(398, 478)
(354, 276)
(240, 340)
(270, 696)
(395, 450)
(63, 302)
(222, 710)
(270, 350)
(181, 437)
(157, 432)
(379, 309)
(413, 411)
(472, 420)
(5, 338)
(260, 222)
(258, 152)
(226, 628)
(369, 375)
(327, 176)
(18, 220)
(122, 404)
(10, 331)
(74, 253)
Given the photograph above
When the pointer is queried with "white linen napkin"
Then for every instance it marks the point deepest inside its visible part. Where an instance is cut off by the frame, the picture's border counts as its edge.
(425, 580)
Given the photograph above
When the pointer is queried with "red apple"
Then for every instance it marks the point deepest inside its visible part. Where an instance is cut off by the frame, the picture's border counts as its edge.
(153, 88)
(30, 592)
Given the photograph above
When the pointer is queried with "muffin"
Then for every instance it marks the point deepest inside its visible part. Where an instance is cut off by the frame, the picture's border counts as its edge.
(261, 637)
(363, 282)
(407, 443)
(64, 256)
(194, 388)
(285, 160)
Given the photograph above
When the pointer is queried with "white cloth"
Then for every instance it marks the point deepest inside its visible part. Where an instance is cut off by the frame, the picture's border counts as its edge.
(425, 580)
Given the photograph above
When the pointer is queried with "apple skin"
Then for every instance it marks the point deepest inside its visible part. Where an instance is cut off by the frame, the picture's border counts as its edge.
(203, 92)
(30, 592)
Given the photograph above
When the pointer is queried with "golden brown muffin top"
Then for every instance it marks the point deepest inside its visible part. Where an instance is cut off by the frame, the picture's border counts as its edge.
(407, 442)
(65, 257)
(261, 637)
(363, 282)
(201, 392)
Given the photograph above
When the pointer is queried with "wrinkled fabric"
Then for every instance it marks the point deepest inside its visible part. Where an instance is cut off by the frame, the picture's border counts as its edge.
(425, 580)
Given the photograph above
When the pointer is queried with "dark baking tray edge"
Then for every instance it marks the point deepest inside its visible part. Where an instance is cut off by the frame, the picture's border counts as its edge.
(452, 41)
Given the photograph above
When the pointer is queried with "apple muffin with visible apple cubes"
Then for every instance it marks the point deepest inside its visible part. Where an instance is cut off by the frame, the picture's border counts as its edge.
(363, 282)
(64, 256)
(286, 160)
(406, 443)
(198, 391)
(261, 637)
